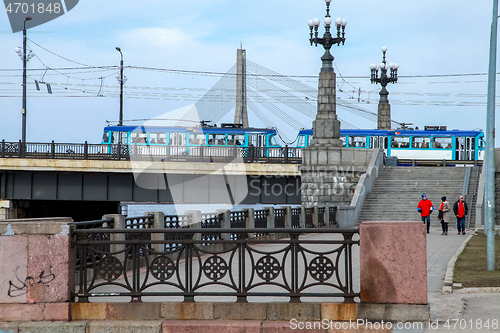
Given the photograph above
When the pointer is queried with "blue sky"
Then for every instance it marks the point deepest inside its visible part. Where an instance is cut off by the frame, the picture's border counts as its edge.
(425, 37)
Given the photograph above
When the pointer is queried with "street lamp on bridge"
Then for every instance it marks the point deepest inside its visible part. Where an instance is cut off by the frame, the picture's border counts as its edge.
(384, 108)
(327, 40)
(121, 79)
(24, 57)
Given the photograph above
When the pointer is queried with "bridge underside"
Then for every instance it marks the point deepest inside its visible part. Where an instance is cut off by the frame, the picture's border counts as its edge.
(87, 196)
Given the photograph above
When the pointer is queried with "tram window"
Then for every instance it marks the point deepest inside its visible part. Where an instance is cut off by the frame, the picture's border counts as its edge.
(139, 137)
(481, 143)
(343, 138)
(400, 142)
(158, 138)
(421, 142)
(197, 139)
(272, 140)
(441, 143)
(116, 135)
(302, 141)
(236, 139)
(357, 141)
(217, 139)
(105, 137)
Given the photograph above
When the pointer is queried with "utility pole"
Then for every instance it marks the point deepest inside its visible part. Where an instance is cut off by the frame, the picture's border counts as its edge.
(489, 210)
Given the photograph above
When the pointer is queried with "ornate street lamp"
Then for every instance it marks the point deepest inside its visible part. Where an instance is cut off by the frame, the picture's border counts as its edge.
(384, 79)
(327, 40)
(384, 108)
(24, 57)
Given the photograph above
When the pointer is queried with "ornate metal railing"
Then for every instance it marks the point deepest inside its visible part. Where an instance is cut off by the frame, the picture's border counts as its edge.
(279, 217)
(88, 151)
(296, 217)
(174, 222)
(321, 216)
(309, 212)
(295, 267)
(211, 221)
(332, 215)
(102, 235)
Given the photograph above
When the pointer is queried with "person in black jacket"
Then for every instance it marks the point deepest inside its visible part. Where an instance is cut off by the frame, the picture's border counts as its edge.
(460, 210)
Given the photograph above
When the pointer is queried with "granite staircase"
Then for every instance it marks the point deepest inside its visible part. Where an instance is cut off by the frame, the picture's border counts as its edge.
(398, 190)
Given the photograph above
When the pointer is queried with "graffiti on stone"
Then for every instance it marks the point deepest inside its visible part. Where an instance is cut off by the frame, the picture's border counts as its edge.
(20, 287)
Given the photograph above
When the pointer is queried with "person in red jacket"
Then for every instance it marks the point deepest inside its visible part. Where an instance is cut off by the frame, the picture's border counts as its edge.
(460, 209)
(425, 208)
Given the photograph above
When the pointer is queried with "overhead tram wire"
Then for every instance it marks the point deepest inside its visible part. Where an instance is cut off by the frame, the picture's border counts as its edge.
(266, 121)
(275, 110)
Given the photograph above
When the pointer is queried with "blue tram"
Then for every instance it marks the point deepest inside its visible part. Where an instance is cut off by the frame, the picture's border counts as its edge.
(433, 143)
(162, 136)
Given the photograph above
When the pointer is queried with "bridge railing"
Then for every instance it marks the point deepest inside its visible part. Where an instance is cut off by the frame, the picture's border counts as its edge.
(147, 152)
(296, 267)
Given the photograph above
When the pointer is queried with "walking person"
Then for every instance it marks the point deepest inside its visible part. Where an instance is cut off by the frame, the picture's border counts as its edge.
(444, 209)
(460, 210)
(425, 208)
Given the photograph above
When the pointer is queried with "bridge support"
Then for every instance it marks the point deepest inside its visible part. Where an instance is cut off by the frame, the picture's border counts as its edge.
(329, 172)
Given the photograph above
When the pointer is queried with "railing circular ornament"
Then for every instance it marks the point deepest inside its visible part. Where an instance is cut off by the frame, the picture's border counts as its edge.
(267, 268)
(321, 268)
(110, 268)
(162, 268)
(215, 268)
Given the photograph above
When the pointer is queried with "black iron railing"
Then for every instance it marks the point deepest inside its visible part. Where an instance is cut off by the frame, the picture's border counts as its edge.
(332, 215)
(296, 267)
(101, 228)
(174, 222)
(309, 212)
(89, 151)
(321, 216)
(279, 217)
(296, 217)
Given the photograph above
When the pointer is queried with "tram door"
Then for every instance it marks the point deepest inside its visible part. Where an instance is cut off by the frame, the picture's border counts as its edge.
(177, 143)
(465, 149)
(378, 142)
(256, 141)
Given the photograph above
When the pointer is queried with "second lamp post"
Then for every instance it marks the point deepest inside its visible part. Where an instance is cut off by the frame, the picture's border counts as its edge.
(384, 108)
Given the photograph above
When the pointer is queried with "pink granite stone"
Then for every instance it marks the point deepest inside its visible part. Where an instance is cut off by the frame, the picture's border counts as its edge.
(56, 312)
(48, 266)
(13, 269)
(205, 326)
(393, 262)
(21, 312)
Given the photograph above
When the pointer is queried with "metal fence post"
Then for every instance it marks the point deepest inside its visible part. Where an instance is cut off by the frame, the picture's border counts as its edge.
(118, 151)
(285, 158)
(86, 151)
(3, 148)
(201, 153)
(20, 149)
(52, 150)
